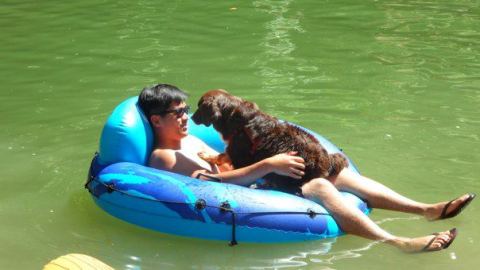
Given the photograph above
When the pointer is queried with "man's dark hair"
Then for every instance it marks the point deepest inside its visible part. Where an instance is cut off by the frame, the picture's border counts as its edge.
(157, 99)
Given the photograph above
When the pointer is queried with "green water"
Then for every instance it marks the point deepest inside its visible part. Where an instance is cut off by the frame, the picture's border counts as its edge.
(396, 84)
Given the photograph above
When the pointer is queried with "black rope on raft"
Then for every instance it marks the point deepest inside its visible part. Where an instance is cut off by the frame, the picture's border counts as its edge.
(233, 242)
(201, 204)
(90, 176)
(225, 206)
(112, 187)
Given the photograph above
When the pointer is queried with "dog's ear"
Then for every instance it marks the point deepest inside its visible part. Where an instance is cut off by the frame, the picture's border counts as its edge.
(243, 113)
(249, 127)
(213, 117)
(214, 111)
(251, 134)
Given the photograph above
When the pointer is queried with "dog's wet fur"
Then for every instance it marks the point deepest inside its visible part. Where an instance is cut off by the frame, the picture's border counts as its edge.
(252, 135)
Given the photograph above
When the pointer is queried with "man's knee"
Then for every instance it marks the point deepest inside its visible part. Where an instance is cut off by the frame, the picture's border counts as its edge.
(315, 186)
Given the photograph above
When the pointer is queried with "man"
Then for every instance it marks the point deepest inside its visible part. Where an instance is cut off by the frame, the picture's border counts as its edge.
(176, 151)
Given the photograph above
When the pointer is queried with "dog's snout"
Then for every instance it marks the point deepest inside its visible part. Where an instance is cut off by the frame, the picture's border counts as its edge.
(198, 119)
(195, 117)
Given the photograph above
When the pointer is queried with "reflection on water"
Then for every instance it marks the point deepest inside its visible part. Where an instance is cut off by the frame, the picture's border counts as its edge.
(319, 256)
(135, 263)
(279, 69)
(428, 36)
(331, 258)
(301, 258)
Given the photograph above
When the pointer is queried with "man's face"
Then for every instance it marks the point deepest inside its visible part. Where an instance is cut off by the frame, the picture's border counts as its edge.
(172, 124)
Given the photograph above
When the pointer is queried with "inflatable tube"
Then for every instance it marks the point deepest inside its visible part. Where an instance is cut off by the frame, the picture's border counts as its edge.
(123, 186)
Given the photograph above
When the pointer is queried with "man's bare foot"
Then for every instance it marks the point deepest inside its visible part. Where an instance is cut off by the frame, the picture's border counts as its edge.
(434, 242)
(449, 209)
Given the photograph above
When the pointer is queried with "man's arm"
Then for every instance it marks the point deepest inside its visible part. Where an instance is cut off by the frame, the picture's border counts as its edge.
(284, 164)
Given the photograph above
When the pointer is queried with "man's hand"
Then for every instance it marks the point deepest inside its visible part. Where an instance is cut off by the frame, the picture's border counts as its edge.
(287, 164)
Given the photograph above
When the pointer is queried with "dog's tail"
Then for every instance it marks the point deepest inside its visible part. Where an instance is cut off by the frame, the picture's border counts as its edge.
(337, 163)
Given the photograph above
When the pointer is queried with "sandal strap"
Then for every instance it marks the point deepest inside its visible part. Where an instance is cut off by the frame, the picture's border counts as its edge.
(427, 246)
(443, 215)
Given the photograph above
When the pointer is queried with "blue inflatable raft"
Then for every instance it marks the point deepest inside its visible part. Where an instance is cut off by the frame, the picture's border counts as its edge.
(122, 185)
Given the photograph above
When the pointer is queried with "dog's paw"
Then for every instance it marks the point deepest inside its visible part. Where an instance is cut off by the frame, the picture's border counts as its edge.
(205, 156)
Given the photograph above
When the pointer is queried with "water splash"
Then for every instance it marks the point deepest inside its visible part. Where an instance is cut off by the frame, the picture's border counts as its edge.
(395, 219)
(302, 258)
(330, 258)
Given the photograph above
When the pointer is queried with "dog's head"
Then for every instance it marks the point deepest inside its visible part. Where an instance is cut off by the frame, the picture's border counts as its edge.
(227, 113)
(211, 105)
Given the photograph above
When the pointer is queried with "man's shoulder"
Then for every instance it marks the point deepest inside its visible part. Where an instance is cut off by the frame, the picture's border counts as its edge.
(162, 158)
(161, 152)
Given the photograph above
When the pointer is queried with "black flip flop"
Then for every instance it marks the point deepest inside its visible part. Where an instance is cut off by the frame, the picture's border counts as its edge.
(457, 210)
(453, 232)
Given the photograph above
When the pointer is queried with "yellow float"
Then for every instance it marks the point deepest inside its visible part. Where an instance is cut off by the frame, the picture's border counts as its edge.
(76, 262)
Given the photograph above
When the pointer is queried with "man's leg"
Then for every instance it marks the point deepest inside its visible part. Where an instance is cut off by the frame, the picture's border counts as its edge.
(353, 221)
(380, 196)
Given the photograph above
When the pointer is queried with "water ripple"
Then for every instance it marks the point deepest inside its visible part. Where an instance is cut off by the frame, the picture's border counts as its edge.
(277, 66)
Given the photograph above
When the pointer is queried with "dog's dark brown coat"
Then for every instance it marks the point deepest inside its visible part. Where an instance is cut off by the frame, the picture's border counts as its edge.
(252, 136)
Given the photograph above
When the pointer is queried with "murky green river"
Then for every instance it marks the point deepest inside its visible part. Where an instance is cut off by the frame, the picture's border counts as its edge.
(396, 84)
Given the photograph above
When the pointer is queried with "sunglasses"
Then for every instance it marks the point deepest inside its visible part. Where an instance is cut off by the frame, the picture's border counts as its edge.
(177, 112)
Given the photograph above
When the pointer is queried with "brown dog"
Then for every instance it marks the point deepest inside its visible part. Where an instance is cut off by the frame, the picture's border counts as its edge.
(252, 136)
